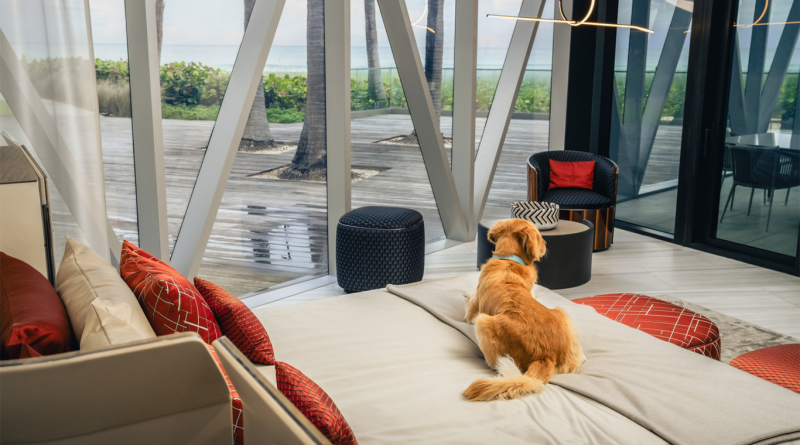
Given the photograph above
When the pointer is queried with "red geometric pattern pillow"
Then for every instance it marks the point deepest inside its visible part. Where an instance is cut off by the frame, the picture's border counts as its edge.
(236, 402)
(238, 323)
(660, 319)
(571, 174)
(777, 364)
(315, 404)
(170, 302)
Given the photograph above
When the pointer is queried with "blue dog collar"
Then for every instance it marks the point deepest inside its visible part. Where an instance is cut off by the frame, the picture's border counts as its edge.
(514, 258)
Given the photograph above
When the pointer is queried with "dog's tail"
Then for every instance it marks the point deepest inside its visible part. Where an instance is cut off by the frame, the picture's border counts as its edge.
(510, 382)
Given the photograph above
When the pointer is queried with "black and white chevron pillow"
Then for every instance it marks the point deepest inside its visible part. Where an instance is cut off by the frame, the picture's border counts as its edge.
(544, 215)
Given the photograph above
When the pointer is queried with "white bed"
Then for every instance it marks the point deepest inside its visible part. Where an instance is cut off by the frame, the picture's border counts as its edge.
(397, 374)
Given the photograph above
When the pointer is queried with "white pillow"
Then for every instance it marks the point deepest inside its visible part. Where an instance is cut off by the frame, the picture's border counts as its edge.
(98, 301)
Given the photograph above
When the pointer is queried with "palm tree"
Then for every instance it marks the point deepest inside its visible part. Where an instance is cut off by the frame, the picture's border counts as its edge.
(310, 159)
(160, 24)
(375, 89)
(256, 132)
(434, 46)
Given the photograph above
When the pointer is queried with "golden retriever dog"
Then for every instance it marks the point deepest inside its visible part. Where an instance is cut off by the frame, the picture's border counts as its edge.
(525, 342)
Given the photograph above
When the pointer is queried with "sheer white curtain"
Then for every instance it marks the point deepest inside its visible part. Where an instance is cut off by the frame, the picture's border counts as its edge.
(47, 79)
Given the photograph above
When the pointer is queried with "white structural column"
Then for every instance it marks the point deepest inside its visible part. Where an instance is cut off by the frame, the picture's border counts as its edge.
(337, 118)
(212, 179)
(148, 139)
(505, 98)
(560, 80)
(54, 152)
(423, 115)
(465, 68)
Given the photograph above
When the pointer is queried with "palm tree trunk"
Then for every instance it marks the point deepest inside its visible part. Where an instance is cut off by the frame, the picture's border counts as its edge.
(375, 89)
(160, 25)
(256, 132)
(310, 159)
(434, 46)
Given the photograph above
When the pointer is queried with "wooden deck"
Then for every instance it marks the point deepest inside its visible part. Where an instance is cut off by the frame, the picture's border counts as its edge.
(270, 232)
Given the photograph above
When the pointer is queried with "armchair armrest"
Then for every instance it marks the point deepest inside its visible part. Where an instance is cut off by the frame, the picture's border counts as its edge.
(165, 390)
(534, 174)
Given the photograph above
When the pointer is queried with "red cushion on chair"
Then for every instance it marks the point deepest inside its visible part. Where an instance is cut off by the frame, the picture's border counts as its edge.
(236, 402)
(777, 364)
(170, 302)
(314, 403)
(238, 323)
(660, 319)
(571, 174)
(33, 321)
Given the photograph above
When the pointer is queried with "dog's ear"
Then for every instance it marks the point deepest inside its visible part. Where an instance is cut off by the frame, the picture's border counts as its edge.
(496, 231)
(533, 244)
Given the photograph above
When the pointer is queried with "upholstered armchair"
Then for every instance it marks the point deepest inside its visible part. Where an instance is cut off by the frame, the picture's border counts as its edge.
(596, 205)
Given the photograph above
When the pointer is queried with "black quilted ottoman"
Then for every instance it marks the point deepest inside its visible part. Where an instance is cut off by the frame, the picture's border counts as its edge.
(376, 246)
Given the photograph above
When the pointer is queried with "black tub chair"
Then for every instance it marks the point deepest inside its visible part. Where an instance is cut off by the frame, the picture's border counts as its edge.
(596, 205)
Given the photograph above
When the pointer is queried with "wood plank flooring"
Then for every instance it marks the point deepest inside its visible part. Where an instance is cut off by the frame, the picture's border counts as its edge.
(641, 264)
(269, 232)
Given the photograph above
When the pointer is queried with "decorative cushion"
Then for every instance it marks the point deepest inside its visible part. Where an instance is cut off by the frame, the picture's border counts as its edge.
(238, 323)
(571, 174)
(576, 199)
(98, 302)
(314, 403)
(376, 246)
(33, 321)
(660, 319)
(777, 364)
(170, 302)
(236, 402)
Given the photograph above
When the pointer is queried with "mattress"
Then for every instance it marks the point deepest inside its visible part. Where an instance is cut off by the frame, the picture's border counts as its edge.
(397, 374)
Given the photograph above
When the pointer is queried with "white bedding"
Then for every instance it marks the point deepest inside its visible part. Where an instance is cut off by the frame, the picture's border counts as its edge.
(397, 374)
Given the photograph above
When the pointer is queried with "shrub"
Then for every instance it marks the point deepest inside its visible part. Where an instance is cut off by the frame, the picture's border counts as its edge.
(114, 71)
(290, 116)
(285, 92)
(114, 98)
(197, 112)
(193, 84)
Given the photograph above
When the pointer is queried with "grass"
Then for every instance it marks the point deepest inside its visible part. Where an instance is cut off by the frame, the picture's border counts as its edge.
(195, 113)
(114, 99)
(289, 116)
(5, 110)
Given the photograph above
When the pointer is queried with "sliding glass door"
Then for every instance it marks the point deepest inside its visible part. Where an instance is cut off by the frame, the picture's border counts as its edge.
(759, 196)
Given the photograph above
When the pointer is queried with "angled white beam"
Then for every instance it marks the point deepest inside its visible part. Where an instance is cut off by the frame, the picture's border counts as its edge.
(148, 138)
(53, 151)
(337, 118)
(505, 98)
(212, 179)
(465, 68)
(423, 115)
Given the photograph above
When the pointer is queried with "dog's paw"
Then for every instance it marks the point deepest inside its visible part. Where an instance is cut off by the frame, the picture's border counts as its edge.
(470, 294)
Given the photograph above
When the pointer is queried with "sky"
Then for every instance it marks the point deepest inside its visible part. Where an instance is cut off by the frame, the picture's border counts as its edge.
(220, 22)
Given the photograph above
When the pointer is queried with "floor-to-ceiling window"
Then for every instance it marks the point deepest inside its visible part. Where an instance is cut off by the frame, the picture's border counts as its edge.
(647, 112)
(759, 202)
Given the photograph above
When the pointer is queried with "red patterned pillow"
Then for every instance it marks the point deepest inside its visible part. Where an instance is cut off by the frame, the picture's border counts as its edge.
(170, 302)
(238, 323)
(314, 403)
(571, 174)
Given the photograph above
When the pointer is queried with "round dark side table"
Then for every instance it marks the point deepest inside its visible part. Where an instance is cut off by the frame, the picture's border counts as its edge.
(568, 261)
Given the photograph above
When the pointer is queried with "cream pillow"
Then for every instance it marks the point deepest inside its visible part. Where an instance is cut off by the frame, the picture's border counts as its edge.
(98, 301)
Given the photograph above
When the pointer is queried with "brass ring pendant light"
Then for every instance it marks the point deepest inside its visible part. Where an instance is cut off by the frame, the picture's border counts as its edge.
(573, 22)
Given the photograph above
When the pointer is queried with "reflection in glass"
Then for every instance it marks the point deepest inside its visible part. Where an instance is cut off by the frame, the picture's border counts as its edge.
(758, 206)
(647, 114)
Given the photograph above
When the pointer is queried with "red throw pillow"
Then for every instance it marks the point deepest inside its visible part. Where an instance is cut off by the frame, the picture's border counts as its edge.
(571, 174)
(238, 323)
(33, 319)
(314, 403)
(170, 302)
